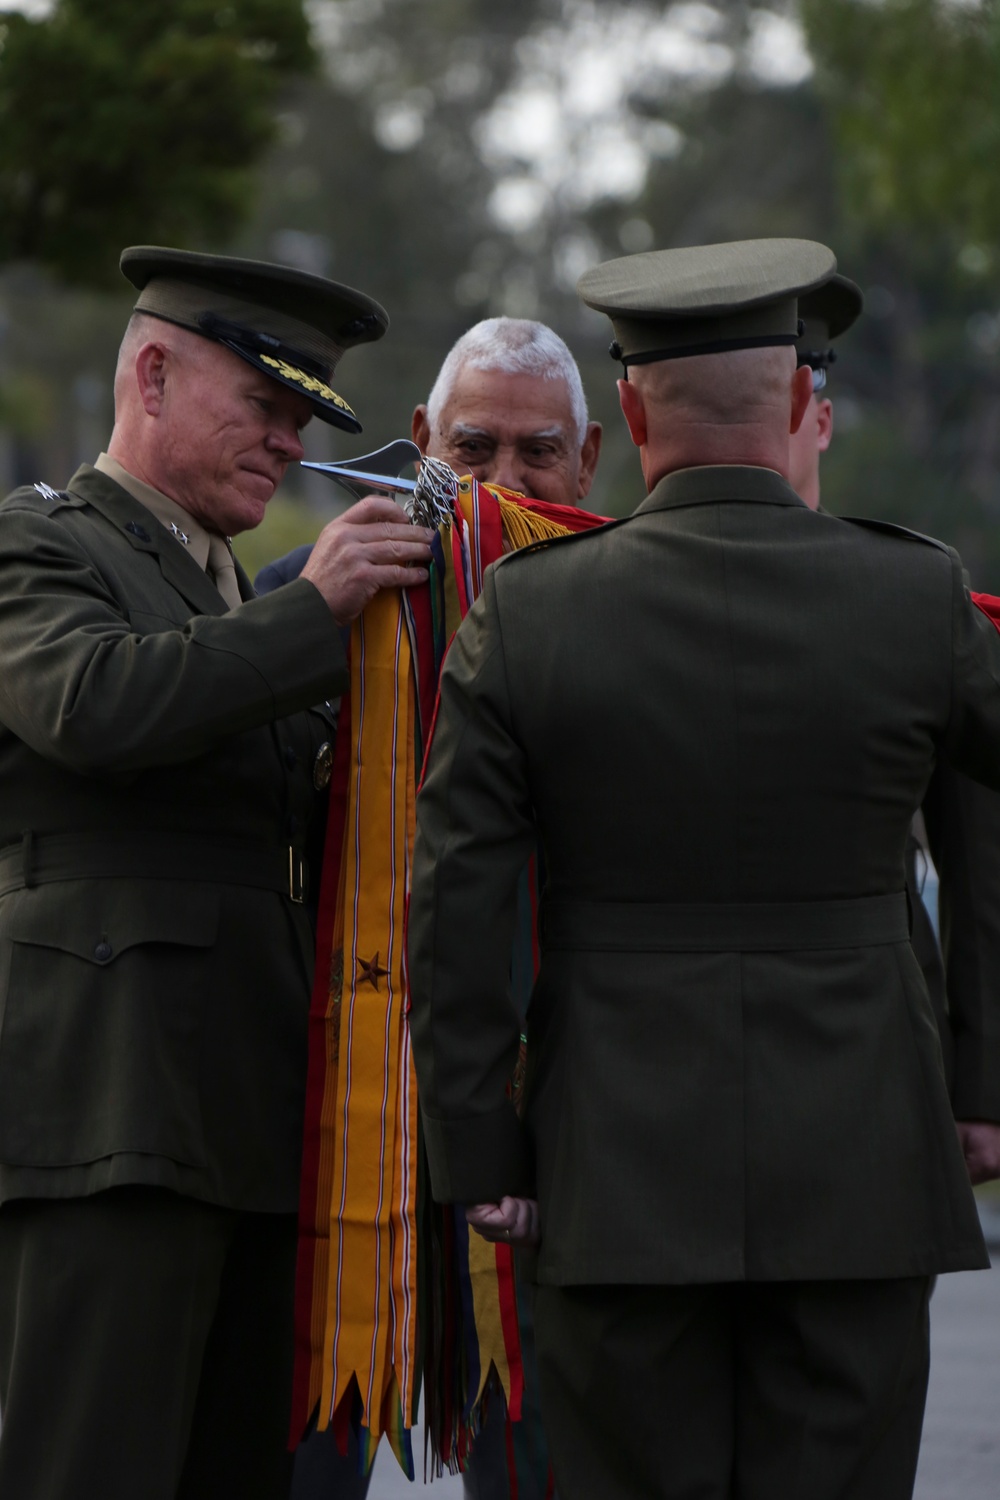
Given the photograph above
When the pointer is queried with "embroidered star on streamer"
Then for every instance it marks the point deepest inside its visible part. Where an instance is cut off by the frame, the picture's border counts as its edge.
(176, 531)
(371, 971)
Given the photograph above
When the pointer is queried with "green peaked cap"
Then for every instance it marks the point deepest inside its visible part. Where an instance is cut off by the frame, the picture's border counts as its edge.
(826, 313)
(291, 325)
(704, 299)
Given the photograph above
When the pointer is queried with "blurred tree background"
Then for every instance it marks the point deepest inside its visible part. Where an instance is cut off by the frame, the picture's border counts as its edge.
(458, 158)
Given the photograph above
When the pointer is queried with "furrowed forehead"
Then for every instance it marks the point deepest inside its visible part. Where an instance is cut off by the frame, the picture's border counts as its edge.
(487, 397)
(557, 431)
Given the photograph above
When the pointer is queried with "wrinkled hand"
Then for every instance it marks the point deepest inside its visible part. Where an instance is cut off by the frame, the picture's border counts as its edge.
(980, 1142)
(372, 546)
(512, 1221)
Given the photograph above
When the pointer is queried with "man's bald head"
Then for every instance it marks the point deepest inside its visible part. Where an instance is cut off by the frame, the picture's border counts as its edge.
(737, 407)
(740, 386)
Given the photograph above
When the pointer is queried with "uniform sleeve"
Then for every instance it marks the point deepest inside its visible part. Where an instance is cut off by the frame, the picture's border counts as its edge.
(86, 690)
(971, 741)
(474, 834)
(963, 825)
(924, 939)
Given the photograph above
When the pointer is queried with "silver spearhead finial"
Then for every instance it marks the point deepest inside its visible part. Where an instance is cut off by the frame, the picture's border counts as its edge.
(427, 500)
(433, 499)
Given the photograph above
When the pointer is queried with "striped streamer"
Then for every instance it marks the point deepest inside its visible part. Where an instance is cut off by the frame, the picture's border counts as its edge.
(393, 1292)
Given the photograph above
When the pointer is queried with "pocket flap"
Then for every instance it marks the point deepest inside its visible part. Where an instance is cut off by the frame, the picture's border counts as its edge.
(99, 919)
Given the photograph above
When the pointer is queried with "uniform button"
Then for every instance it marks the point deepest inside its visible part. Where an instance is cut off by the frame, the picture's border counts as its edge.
(103, 951)
(323, 766)
(291, 759)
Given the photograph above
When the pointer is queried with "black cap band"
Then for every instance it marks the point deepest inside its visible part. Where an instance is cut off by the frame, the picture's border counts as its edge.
(718, 346)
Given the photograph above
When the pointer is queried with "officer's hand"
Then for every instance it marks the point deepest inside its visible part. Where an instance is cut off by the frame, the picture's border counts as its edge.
(980, 1142)
(372, 546)
(512, 1221)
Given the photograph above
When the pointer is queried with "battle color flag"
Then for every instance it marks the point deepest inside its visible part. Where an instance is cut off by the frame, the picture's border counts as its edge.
(393, 1292)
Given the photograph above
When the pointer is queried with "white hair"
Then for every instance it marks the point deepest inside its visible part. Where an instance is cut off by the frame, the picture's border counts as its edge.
(516, 346)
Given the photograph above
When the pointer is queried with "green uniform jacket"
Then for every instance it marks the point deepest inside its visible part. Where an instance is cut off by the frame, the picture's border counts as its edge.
(156, 782)
(718, 717)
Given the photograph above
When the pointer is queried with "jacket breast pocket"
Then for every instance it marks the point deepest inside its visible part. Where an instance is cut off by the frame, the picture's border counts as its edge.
(103, 993)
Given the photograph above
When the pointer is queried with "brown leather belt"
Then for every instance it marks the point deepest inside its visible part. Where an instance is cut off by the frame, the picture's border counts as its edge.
(41, 859)
(725, 927)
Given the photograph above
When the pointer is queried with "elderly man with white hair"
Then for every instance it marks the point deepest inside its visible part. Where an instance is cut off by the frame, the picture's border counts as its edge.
(508, 407)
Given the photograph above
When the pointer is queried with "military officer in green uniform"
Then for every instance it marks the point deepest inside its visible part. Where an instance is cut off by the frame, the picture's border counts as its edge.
(159, 764)
(961, 818)
(718, 716)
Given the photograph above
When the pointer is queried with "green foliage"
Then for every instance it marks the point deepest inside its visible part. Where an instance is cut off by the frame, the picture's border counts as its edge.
(123, 121)
(912, 92)
(379, 175)
(914, 88)
(24, 402)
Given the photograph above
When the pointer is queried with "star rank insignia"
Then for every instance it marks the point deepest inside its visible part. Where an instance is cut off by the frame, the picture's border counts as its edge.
(176, 531)
(370, 971)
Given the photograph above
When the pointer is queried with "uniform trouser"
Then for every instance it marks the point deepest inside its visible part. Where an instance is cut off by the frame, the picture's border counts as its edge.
(146, 1345)
(757, 1391)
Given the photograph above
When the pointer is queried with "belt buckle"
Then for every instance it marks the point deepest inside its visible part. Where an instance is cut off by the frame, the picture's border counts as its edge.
(296, 877)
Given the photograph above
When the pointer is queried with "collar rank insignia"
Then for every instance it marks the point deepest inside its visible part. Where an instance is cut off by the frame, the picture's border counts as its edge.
(176, 531)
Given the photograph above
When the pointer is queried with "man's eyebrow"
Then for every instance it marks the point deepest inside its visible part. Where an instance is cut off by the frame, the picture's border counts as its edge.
(465, 429)
(558, 431)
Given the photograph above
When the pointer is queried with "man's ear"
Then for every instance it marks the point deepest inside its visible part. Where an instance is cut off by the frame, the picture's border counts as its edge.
(590, 452)
(824, 425)
(420, 428)
(634, 411)
(802, 390)
(151, 377)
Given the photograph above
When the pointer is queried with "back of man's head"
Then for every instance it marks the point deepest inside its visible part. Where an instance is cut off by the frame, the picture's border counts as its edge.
(742, 387)
(722, 320)
(735, 407)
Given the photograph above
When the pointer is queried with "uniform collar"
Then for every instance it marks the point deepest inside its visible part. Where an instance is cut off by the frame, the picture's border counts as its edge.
(141, 529)
(712, 484)
(185, 530)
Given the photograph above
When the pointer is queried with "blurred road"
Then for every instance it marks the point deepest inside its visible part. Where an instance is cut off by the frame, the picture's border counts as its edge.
(960, 1454)
(389, 1482)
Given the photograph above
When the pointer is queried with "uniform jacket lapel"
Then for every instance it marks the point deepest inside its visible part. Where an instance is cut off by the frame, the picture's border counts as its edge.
(144, 533)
